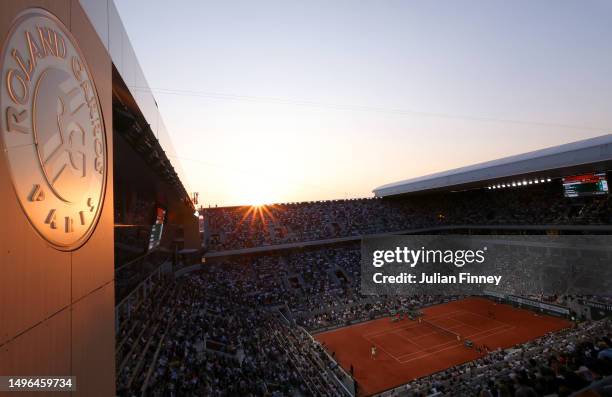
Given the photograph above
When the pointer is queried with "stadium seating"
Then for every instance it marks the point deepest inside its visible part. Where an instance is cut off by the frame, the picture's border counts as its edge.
(230, 228)
(240, 326)
(234, 329)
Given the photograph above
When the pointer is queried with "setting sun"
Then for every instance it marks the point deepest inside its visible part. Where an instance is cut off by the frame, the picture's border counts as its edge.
(257, 192)
(258, 202)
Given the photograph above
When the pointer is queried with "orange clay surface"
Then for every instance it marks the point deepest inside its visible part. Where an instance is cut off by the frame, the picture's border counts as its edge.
(407, 349)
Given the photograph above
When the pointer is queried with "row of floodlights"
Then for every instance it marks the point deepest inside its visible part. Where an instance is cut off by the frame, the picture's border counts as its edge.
(524, 182)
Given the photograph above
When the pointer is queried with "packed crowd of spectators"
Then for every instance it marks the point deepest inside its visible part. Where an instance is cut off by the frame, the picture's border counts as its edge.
(129, 276)
(238, 327)
(557, 364)
(205, 336)
(246, 227)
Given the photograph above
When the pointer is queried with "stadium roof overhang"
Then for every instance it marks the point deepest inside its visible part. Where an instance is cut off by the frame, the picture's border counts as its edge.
(129, 122)
(588, 155)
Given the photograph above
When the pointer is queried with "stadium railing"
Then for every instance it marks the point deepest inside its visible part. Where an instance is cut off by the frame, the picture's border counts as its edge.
(347, 383)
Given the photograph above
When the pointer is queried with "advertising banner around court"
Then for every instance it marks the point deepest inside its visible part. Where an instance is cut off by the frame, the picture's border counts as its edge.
(478, 265)
(564, 311)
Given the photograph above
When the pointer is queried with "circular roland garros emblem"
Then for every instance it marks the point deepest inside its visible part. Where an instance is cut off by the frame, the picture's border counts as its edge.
(52, 129)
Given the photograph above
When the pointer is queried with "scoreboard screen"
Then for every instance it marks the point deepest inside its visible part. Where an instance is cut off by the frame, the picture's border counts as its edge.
(157, 229)
(585, 185)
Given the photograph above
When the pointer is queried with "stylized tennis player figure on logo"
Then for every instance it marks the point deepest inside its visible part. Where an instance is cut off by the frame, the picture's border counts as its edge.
(52, 129)
(60, 136)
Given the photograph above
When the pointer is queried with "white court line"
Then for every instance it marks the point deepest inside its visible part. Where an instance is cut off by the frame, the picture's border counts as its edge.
(384, 350)
(422, 349)
(408, 358)
(459, 322)
(434, 332)
(409, 341)
(396, 358)
(412, 341)
(451, 347)
(470, 336)
(453, 342)
(453, 327)
(449, 316)
(488, 318)
(445, 316)
(421, 336)
(405, 358)
(410, 325)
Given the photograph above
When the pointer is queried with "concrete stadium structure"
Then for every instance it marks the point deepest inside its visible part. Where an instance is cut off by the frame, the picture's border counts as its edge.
(67, 69)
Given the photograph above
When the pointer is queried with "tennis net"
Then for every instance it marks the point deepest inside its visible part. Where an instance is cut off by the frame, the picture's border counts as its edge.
(442, 330)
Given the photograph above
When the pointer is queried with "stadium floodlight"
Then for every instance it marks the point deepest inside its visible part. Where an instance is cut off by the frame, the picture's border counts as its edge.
(503, 185)
(542, 180)
(513, 183)
(530, 182)
(536, 181)
(524, 183)
(548, 179)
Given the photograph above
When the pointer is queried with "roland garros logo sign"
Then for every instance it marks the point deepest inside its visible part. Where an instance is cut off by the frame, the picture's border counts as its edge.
(53, 134)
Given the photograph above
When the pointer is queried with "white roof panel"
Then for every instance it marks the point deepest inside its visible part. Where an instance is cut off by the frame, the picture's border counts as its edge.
(587, 151)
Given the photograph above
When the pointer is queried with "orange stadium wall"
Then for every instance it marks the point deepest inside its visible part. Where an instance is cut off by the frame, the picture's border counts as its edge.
(57, 306)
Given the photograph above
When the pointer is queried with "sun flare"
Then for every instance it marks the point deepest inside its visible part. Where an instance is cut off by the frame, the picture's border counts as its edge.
(258, 193)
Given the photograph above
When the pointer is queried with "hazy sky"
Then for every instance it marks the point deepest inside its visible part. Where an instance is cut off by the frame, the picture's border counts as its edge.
(274, 101)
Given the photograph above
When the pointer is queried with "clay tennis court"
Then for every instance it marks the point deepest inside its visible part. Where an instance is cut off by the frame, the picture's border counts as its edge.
(407, 349)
